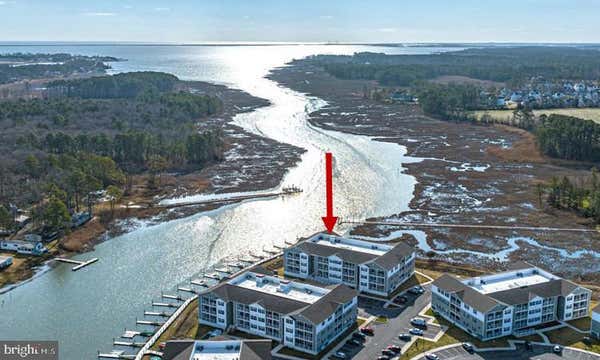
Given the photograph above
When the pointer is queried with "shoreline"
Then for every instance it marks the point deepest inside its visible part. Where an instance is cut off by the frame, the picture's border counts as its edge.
(470, 174)
(253, 172)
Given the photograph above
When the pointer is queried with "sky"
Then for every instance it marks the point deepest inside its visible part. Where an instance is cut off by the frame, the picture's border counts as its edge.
(202, 21)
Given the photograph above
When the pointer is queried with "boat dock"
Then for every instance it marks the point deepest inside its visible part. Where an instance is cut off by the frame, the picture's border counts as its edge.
(135, 344)
(284, 191)
(79, 264)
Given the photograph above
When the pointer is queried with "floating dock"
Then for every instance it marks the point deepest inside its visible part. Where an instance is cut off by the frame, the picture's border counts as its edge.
(186, 289)
(146, 322)
(130, 334)
(154, 313)
(129, 344)
(80, 264)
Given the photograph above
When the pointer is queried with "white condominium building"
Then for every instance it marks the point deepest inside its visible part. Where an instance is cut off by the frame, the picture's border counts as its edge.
(370, 267)
(300, 316)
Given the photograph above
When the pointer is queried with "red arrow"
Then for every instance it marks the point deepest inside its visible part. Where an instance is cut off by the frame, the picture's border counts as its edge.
(329, 220)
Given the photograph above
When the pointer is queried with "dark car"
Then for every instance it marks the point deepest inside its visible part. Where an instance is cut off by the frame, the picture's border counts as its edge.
(387, 352)
(353, 342)
(401, 299)
(528, 345)
(404, 337)
(468, 347)
(394, 348)
(358, 335)
(367, 330)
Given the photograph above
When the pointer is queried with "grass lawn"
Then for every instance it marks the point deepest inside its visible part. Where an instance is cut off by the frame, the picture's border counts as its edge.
(413, 281)
(582, 324)
(185, 327)
(569, 337)
(382, 319)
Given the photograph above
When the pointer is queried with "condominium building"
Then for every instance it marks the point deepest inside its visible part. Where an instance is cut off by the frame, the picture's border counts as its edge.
(369, 267)
(595, 331)
(301, 316)
(217, 350)
(510, 302)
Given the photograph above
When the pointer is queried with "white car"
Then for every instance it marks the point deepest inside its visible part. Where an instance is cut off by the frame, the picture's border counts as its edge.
(432, 357)
(418, 322)
(340, 355)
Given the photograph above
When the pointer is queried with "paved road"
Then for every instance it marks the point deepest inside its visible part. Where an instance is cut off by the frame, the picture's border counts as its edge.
(538, 353)
(387, 333)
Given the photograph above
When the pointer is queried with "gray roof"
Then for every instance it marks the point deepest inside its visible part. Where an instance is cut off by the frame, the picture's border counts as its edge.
(315, 312)
(280, 304)
(521, 295)
(328, 304)
(395, 256)
(355, 257)
(250, 350)
(256, 350)
(387, 261)
(469, 296)
(178, 350)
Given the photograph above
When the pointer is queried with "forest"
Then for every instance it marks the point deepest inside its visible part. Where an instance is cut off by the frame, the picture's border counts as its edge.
(93, 134)
(511, 65)
(24, 66)
(581, 195)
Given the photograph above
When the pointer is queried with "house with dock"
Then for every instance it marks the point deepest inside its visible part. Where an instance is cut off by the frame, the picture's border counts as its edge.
(300, 316)
(369, 267)
(514, 302)
(219, 349)
(23, 247)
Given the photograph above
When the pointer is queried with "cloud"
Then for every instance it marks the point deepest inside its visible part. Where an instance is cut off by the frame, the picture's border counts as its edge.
(99, 14)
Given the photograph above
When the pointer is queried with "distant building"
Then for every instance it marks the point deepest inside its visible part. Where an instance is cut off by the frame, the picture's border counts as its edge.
(217, 350)
(300, 316)
(23, 247)
(510, 302)
(595, 331)
(370, 267)
(5, 261)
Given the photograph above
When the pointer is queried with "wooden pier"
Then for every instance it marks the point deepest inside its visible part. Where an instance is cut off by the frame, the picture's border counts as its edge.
(79, 264)
(286, 191)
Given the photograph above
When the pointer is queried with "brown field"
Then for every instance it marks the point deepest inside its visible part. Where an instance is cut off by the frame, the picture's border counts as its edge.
(584, 113)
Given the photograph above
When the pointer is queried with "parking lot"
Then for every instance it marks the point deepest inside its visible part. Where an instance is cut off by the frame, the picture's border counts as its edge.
(386, 333)
(538, 353)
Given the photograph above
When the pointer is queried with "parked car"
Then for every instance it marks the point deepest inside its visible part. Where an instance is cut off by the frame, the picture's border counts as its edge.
(557, 349)
(404, 337)
(162, 345)
(340, 355)
(367, 330)
(468, 347)
(417, 290)
(416, 331)
(383, 357)
(358, 335)
(528, 345)
(354, 342)
(432, 357)
(394, 348)
(418, 322)
(387, 352)
(401, 299)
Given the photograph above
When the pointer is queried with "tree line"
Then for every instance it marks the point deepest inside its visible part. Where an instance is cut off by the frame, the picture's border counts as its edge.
(512, 65)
